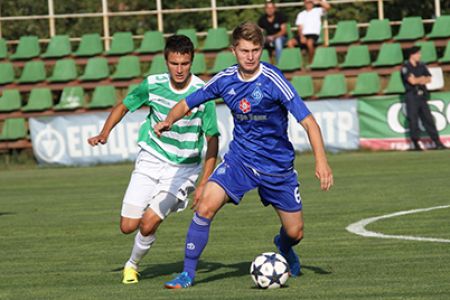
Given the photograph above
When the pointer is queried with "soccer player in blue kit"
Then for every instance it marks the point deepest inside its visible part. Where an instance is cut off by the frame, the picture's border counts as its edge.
(260, 154)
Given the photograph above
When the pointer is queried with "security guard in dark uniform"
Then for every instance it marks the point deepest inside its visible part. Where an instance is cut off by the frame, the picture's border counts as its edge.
(415, 76)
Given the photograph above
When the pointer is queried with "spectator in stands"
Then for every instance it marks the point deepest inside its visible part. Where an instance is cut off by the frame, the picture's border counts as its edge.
(273, 23)
(309, 26)
(415, 76)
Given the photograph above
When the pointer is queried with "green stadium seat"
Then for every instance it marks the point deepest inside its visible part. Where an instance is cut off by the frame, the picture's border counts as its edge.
(14, 129)
(390, 54)
(411, 28)
(395, 84)
(303, 85)
(191, 34)
(7, 74)
(441, 28)
(96, 69)
(28, 48)
(90, 45)
(324, 58)
(357, 56)
(346, 33)
(334, 85)
(40, 99)
(59, 46)
(378, 31)
(216, 39)
(64, 70)
(290, 60)
(199, 64)
(158, 65)
(72, 97)
(223, 60)
(131, 87)
(34, 71)
(446, 57)
(289, 32)
(153, 42)
(122, 43)
(10, 101)
(103, 97)
(428, 51)
(265, 57)
(128, 67)
(367, 84)
(3, 49)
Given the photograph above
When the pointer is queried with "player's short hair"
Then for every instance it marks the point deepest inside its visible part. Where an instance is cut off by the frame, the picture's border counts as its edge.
(179, 44)
(248, 31)
(413, 50)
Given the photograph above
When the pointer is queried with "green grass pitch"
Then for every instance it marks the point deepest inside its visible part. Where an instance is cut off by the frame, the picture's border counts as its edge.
(60, 239)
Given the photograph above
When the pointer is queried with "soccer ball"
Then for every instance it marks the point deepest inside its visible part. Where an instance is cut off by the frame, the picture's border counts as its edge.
(269, 270)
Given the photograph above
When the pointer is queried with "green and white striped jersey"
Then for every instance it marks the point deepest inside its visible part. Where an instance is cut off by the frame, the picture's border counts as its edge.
(183, 144)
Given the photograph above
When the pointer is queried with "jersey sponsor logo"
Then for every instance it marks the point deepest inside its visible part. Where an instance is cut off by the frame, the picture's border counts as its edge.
(257, 96)
(232, 92)
(242, 117)
(190, 246)
(245, 106)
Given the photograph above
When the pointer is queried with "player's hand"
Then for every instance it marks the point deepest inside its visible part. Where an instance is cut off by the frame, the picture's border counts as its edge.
(95, 140)
(303, 39)
(161, 127)
(197, 195)
(325, 175)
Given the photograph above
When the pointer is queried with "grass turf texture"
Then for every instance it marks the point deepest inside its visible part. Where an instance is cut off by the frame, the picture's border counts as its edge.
(60, 237)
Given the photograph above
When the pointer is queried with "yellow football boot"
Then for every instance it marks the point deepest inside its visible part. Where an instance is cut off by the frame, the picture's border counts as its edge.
(130, 275)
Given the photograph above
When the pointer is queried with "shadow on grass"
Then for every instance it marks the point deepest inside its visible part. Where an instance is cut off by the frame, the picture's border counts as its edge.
(6, 213)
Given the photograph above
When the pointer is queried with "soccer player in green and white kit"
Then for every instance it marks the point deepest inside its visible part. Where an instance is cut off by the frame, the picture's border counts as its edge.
(166, 168)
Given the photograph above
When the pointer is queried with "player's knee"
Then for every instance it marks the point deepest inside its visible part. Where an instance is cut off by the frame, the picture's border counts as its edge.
(127, 228)
(295, 233)
(149, 226)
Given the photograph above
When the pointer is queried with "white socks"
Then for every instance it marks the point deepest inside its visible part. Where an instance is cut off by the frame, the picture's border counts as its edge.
(140, 248)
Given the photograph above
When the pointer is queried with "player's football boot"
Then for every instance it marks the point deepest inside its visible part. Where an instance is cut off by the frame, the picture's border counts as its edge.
(130, 275)
(182, 281)
(291, 258)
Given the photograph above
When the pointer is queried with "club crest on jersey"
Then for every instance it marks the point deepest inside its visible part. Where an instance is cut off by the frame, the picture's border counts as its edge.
(245, 106)
(257, 96)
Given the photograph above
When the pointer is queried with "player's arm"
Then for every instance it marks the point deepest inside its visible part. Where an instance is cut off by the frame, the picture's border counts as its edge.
(323, 170)
(176, 113)
(114, 117)
(325, 5)
(421, 80)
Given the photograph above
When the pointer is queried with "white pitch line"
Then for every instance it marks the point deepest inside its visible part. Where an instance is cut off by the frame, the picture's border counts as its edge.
(358, 227)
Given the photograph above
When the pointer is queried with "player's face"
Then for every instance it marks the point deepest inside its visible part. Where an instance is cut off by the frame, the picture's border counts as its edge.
(270, 9)
(416, 56)
(179, 66)
(309, 4)
(248, 55)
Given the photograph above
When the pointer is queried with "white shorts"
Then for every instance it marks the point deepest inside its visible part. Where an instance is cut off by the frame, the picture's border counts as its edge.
(158, 185)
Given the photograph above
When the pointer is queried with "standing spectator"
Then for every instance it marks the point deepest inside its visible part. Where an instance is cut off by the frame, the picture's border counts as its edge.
(415, 76)
(309, 26)
(273, 23)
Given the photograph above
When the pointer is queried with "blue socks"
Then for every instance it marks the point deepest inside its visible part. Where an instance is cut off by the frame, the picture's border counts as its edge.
(196, 240)
(286, 242)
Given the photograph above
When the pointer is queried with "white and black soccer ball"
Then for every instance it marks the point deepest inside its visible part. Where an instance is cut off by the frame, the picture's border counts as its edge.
(269, 270)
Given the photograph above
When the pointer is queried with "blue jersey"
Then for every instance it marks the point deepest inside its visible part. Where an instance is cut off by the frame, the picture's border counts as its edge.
(260, 111)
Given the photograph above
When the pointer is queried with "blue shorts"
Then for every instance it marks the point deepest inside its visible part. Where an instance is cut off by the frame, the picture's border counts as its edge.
(282, 192)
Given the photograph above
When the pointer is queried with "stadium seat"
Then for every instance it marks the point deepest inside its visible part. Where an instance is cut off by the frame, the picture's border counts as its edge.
(324, 58)
(199, 64)
(265, 57)
(223, 60)
(3, 49)
(216, 39)
(395, 84)
(72, 97)
(367, 84)
(390, 54)
(446, 57)
(191, 34)
(59, 46)
(13, 129)
(122, 43)
(378, 31)
(158, 65)
(131, 87)
(346, 33)
(334, 85)
(7, 74)
(290, 59)
(441, 28)
(64, 70)
(28, 48)
(428, 51)
(96, 69)
(411, 28)
(103, 97)
(128, 67)
(90, 45)
(34, 71)
(303, 85)
(40, 99)
(357, 56)
(152, 42)
(10, 101)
